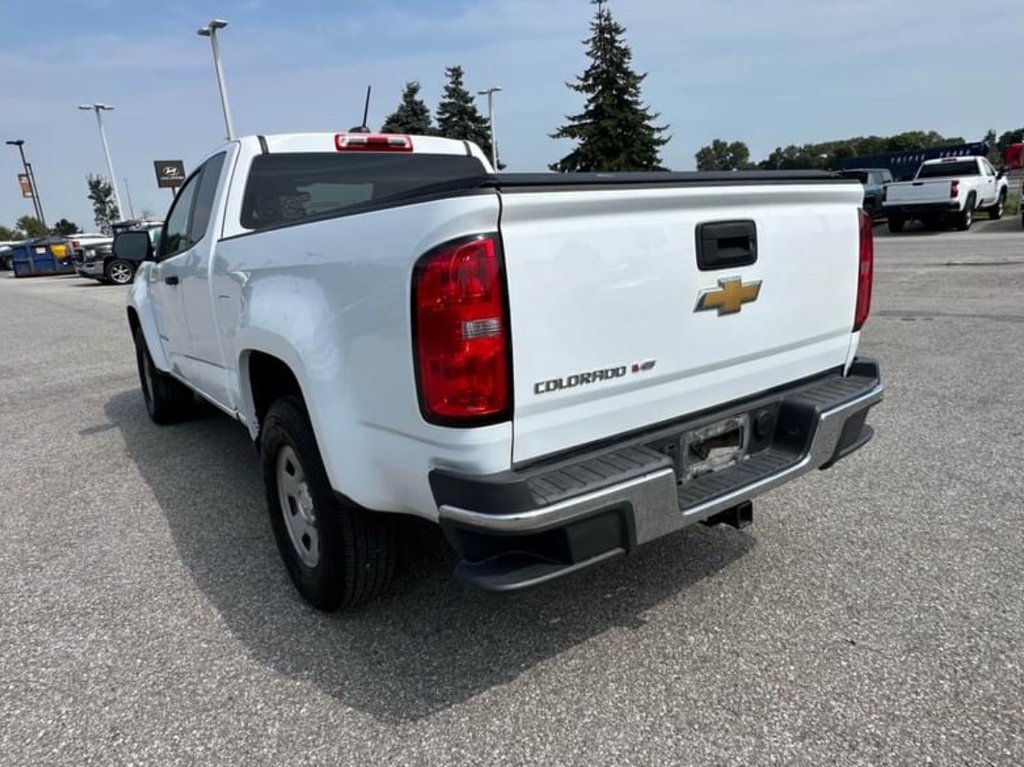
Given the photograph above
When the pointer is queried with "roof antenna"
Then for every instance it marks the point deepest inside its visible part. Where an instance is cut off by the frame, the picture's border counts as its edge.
(363, 127)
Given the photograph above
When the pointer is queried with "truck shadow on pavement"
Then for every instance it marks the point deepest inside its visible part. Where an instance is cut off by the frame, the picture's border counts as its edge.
(429, 643)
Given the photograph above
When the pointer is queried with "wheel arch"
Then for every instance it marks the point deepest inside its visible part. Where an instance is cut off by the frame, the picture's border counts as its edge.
(141, 316)
(265, 377)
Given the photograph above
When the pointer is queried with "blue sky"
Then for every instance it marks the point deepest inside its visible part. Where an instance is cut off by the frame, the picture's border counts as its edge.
(770, 74)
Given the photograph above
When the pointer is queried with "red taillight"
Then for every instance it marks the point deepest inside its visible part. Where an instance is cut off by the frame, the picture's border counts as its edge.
(954, 189)
(865, 272)
(461, 333)
(371, 142)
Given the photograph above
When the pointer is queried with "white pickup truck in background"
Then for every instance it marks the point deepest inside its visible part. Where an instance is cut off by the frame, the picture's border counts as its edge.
(554, 368)
(950, 189)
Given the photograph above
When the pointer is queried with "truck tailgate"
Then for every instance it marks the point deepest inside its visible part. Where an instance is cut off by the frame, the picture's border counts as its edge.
(907, 192)
(604, 286)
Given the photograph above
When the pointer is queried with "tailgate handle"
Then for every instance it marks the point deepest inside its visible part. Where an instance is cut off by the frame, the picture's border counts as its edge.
(726, 244)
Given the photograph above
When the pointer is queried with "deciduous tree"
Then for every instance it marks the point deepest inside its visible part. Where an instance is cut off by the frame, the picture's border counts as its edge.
(104, 208)
(723, 155)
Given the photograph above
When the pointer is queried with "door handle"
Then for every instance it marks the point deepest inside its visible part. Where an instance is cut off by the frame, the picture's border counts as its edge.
(726, 244)
(172, 280)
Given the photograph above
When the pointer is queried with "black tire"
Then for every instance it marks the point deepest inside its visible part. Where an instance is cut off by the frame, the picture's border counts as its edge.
(996, 211)
(966, 217)
(167, 399)
(117, 271)
(355, 550)
(896, 224)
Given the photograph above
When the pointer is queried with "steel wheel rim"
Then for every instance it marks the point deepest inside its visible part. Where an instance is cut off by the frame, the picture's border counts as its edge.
(297, 507)
(1000, 205)
(120, 274)
(968, 217)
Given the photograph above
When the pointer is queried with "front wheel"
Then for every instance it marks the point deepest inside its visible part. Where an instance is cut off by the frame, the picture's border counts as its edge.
(996, 211)
(337, 554)
(167, 399)
(896, 224)
(119, 272)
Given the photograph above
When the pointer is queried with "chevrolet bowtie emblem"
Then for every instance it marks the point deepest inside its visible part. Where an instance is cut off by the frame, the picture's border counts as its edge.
(729, 296)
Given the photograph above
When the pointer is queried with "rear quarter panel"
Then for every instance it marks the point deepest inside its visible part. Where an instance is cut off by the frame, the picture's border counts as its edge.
(332, 299)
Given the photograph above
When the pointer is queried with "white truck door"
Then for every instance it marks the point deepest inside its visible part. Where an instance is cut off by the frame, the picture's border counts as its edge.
(990, 184)
(165, 277)
(204, 362)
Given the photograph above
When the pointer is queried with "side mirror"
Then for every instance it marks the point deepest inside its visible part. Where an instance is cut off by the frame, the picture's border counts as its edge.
(133, 246)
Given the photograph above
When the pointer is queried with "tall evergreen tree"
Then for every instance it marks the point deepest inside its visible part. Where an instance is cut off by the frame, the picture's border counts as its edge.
(457, 115)
(412, 115)
(615, 131)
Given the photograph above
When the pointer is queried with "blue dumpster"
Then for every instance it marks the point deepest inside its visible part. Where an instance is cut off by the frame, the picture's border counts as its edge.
(41, 257)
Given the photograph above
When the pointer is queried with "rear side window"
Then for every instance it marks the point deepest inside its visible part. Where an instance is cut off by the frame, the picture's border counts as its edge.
(289, 187)
(945, 169)
(204, 198)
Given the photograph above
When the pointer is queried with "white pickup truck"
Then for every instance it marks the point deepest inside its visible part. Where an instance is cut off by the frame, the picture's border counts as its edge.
(554, 368)
(947, 189)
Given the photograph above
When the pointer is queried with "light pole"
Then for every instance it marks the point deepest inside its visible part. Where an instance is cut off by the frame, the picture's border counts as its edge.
(489, 93)
(210, 31)
(37, 204)
(99, 108)
(128, 191)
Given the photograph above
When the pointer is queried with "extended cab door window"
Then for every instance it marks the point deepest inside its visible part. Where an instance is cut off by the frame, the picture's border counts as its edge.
(176, 231)
(202, 208)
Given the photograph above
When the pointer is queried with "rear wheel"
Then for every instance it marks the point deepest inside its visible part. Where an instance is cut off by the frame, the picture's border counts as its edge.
(996, 211)
(896, 224)
(966, 218)
(119, 272)
(167, 399)
(337, 554)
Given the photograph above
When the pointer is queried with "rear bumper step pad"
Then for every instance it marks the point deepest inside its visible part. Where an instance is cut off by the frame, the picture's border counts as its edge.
(523, 527)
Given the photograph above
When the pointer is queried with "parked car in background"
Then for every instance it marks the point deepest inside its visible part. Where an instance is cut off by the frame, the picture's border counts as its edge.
(84, 240)
(947, 190)
(904, 164)
(5, 254)
(101, 261)
(874, 181)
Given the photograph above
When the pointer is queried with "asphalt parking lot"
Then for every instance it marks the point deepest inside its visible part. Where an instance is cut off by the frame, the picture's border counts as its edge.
(872, 615)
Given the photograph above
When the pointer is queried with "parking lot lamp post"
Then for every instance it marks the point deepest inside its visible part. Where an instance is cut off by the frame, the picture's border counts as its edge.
(37, 204)
(210, 31)
(99, 108)
(489, 93)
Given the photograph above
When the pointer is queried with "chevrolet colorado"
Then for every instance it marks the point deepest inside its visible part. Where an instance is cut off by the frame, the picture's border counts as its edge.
(555, 369)
(947, 189)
